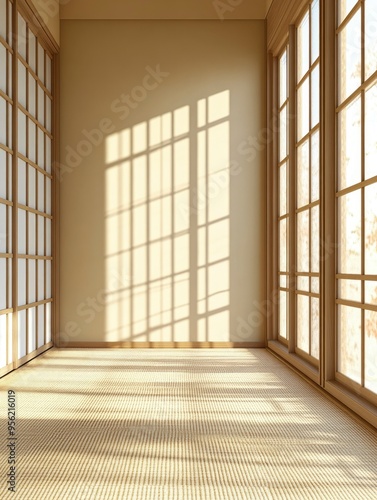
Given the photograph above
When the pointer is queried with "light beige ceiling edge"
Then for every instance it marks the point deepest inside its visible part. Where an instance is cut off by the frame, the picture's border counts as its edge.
(164, 9)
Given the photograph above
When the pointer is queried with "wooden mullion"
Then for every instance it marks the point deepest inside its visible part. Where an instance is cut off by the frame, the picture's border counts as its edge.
(363, 214)
(292, 187)
(35, 120)
(34, 165)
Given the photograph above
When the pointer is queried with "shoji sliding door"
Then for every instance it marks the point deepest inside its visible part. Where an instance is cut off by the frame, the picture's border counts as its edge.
(26, 194)
(6, 191)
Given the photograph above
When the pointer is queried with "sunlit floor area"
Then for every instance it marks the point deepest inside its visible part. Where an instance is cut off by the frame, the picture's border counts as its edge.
(181, 424)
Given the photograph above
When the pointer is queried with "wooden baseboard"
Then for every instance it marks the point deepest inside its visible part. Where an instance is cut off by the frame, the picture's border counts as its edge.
(162, 345)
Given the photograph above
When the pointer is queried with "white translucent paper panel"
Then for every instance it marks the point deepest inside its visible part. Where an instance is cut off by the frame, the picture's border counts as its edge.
(32, 233)
(32, 187)
(303, 284)
(344, 8)
(21, 232)
(315, 96)
(3, 68)
(41, 63)
(283, 247)
(21, 182)
(21, 334)
(48, 73)
(303, 323)
(32, 107)
(3, 174)
(283, 129)
(48, 154)
(315, 240)
(370, 37)
(32, 51)
(283, 281)
(349, 290)
(22, 36)
(3, 284)
(283, 314)
(314, 327)
(3, 339)
(349, 133)
(303, 47)
(371, 350)
(32, 154)
(370, 131)
(315, 285)
(48, 323)
(303, 174)
(303, 106)
(349, 342)
(32, 274)
(32, 329)
(48, 237)
(41, 279)
(41, 192)
(349, 58)
(371, 229)
(48, 114)
(48, 196)
(48, 293)
(3, 19)
(41, 106)
(21, 282)
(315, 30)
(303, 241)
(315, 166)
(3, 121)
(3, 228)
(349, 233)
(41, 326)
(22, 132)
(371, 293)
(283, 78)
(41, 235)
(283, 189)
(21, 84)
(41, 149)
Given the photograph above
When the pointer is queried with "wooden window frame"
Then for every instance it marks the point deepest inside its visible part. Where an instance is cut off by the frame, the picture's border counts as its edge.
(282, 21)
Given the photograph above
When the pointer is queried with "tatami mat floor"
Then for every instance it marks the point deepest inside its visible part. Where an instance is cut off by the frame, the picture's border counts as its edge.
(180, 424)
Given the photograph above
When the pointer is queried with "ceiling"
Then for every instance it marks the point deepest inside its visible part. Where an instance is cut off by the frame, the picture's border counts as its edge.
(164, 9)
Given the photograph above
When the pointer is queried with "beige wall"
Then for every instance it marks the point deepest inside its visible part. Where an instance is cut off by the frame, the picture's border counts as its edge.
(164, 9)
(49, 11)
(163, 219)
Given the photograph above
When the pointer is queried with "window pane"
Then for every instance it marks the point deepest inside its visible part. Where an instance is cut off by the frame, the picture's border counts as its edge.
(349, 223)
(315, 240)
(371, 292)
(370, 37)
(303, 241)
(315, 30)
(283, 316)
(344, 8)
(371, 229)
(302, 283)
(349, 290)
(283, 250)
(350, 145)
(349, 62)
(303, 104)
(315, 328)
(283, 78)
(371, 350)
(303, 318)
(283, 189)
(349, 342)
(315, 96)
(370, 132)
(303, 47)
(283, 134)
(303, 170)
(315, 166)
